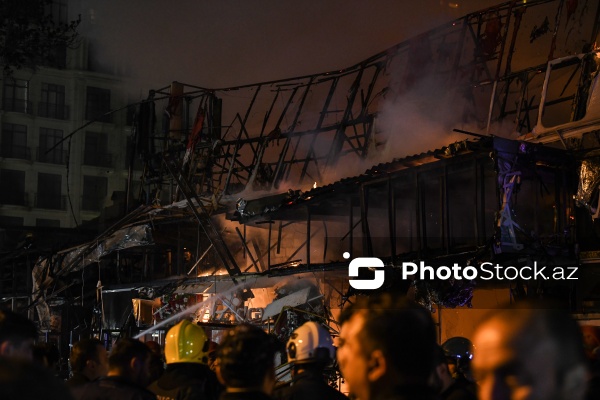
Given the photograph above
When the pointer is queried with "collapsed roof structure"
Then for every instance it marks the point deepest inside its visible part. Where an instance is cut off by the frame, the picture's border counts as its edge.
(252, 195)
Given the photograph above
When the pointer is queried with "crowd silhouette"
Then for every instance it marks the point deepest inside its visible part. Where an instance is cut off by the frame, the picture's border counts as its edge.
(387, 349)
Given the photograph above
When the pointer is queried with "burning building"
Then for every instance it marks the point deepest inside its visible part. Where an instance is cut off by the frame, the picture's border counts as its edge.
(254, 198)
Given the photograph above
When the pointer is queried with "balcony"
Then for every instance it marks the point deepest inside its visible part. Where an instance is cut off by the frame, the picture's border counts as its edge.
(50, 202)
(97, 159)
(55, 156)
(51, 110)
(18, 152)
(14, 198)
(17, 105)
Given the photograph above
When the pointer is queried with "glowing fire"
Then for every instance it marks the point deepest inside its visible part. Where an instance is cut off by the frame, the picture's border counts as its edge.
(315, 185)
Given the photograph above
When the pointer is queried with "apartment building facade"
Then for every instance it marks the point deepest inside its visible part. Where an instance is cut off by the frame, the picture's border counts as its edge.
(63, 150)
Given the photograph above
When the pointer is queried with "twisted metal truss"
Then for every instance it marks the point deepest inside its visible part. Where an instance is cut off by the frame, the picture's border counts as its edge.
(484, 69)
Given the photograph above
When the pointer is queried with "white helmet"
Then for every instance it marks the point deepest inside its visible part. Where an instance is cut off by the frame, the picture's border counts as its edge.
(310, 342)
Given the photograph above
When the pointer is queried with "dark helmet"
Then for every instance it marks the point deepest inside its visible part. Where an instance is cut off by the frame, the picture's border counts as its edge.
(459, 351)
(458, 348)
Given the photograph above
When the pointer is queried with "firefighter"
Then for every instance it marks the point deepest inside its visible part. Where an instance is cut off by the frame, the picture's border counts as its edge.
(445, 384)
(187, 376)
(459, 351)
(309, 349)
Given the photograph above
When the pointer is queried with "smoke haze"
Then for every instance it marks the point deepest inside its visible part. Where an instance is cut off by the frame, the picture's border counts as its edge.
(223, 44)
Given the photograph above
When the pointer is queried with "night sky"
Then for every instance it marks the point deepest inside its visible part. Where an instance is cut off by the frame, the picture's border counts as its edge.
(227, 43)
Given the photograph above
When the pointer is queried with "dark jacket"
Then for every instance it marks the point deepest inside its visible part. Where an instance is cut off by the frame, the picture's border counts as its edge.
(461, 389)
(414, 392)
(112, 388)
(187, 381)
(309, 386)
(77, 379)
(244, 396)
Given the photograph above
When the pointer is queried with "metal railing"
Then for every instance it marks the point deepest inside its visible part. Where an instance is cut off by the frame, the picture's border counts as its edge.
(19, 152)
(14, 198)
(17, 105)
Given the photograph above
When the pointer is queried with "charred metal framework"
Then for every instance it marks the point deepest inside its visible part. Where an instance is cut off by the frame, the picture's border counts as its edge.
(205, 223)
(489, 200)
(295, 132)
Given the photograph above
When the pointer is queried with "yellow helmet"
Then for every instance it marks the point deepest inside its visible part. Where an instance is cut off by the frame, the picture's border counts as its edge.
(186, 342)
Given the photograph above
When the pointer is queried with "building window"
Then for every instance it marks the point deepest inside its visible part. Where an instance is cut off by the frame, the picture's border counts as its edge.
(57, 57)
(95, 152)
(14, 183)
(49, 192)
(52, 104)
(97, 104)
(47, 223)
(95, 189)
(14, 141)
(59, 11)
(15, 96)
(49, 138)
